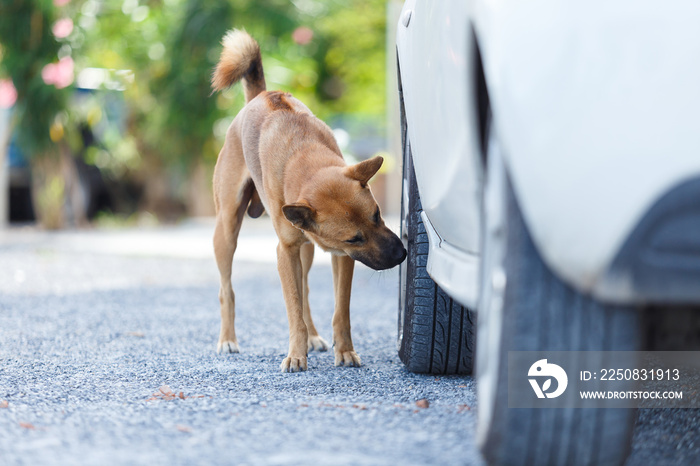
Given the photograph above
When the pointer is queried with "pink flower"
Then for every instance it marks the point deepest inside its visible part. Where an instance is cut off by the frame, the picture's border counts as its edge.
(8, 93)
(61, 2)
(302, 35)
(62, 28)
(59, 74)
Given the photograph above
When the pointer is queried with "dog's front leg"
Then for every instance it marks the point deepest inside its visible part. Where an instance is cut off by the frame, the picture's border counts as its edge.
(343, 267)
(290, 270)
(307, 257)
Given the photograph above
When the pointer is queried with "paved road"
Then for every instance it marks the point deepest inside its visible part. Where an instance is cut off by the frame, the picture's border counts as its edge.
(95, 325)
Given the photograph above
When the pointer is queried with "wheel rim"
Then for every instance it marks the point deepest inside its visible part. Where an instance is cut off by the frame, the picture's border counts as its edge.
(492, 292)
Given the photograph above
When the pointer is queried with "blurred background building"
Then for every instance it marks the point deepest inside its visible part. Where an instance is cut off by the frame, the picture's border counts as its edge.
(106, 113)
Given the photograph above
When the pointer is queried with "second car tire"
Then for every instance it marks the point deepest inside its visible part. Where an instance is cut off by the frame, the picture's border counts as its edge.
(526, 307)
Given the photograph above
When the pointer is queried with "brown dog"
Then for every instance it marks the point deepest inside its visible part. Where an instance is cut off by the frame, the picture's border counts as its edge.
(279, 157)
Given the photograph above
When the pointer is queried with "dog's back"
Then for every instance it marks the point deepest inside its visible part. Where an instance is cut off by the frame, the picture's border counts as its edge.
(273, 125)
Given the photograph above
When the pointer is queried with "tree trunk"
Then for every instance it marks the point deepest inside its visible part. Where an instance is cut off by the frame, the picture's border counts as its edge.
(5, 120)
(59, 198)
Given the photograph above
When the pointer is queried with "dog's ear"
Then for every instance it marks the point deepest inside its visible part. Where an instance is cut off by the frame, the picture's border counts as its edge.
(363, 171)
(301, 214)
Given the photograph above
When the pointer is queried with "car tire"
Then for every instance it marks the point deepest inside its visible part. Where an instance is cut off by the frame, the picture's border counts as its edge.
(436, 334)
(524, 306)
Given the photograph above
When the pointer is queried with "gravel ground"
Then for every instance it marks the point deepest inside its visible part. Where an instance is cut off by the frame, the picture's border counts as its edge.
(94, 325)
(87, 337)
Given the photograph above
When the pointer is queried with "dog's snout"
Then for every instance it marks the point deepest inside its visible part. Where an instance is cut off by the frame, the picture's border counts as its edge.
(387, 251)
(394, 251)
(398, 252)
(401, 255)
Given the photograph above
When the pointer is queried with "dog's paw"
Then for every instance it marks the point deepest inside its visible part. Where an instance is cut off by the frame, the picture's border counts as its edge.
(316, 343)
(293, 364)
(347, 359)
(227, 347)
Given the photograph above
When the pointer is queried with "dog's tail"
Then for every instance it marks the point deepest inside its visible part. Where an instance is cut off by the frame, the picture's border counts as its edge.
(240, 60)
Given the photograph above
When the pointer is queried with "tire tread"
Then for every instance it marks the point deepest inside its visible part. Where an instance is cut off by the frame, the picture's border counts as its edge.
(533, 320)
(438, 333)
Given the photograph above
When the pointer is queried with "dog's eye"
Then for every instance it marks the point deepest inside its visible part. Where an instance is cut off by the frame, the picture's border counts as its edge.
(376, 216)
(355, 239)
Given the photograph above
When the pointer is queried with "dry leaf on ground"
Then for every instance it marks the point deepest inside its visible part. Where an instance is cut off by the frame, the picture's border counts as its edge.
(423, 403)
(165, 393)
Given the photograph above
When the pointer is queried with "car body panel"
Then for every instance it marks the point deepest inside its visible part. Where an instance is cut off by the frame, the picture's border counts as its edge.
(452, 268)
(596, 106)
(587, 97)
(435, 69)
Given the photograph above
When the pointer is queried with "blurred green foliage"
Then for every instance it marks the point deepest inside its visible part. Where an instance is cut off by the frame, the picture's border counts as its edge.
(158, 55)
(172, 46)
(26, 46)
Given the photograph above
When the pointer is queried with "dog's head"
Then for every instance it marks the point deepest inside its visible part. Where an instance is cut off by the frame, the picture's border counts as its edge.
(338, 211)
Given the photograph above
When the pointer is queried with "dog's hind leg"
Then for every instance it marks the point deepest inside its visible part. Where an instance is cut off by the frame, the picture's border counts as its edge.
(307, 257)
(228, 225)
(233, 191)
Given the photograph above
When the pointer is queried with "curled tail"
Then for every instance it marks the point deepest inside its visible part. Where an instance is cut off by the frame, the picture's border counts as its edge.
(240, 60)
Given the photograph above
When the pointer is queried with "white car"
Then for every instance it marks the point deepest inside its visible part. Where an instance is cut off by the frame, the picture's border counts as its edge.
(551, 193)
